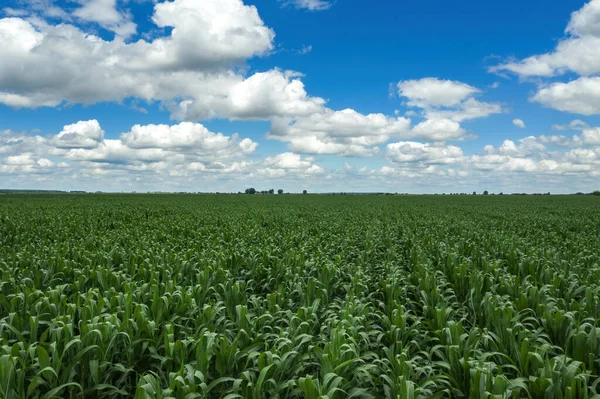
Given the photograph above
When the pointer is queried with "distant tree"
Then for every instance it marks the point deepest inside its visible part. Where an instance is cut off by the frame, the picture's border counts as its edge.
(304, 192)
(474, 192)
(501, 193)
(250, 191)
(486, 192)
(280, 191)
(597, 192)
(271, 191)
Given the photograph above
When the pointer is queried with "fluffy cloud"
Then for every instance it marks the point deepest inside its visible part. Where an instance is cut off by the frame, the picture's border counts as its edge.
(311, 5)
(83, 134)
(33, 8)
(170, 145)
(146, 154)
(45, 65)
(586, 22)
(519, 123)
(576, 124)
(580, 96)
(526, 147)
(187, 156)
(350, 133)
(409, 151)
(262, 95)
(185, 142)
(438, 130)
(345, 132)
(185, 137)
(283, 164)
(105, 13)
(435, 92)
(576, 52)
(445, 99)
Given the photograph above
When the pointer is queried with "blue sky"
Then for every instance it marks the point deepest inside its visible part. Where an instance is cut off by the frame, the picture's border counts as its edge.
(219, 95)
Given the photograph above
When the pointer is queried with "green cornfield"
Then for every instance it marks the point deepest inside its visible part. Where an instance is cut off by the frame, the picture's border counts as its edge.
(290, 296)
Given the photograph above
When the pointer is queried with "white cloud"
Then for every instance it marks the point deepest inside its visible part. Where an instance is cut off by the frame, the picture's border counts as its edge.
(150, 159)
(438, 130)
(519, 123)
(581, 96)
(185, 137)
(289, 163)
(468, 109)
(586, 21)
(446, 99)
(345, 132)
(83, 134)
(576, 52)
(207, 32)
(311, 5)
(105, 14)
(576, 124)
(288, 160)
(19, 160)
(43, 8)
(262, 95)
(44, 163)
(527, 146)
(45, 65)
(435, 92)
(147, 154)
(409, 151)
(591, 137)
(144, 146)
(305, 49)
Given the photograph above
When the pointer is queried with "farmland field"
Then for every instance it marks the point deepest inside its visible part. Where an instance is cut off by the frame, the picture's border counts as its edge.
(239, 296)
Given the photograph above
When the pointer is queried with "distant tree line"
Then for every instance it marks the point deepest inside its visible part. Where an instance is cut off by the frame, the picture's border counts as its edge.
(253, 191)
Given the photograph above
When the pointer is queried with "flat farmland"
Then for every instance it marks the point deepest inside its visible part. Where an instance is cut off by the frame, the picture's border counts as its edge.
(299, 296)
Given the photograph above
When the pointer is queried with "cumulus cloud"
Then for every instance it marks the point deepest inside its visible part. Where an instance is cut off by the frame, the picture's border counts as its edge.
(46, 65)
(150, 153)
(438, 130)
(445, 99)
(187, 156)
(170, 145)
(434, 92)
(106, 14)
(576, 124)
(345, 132)
(83, 134)
(350, 133)
(42, 8)
(311, 5)
(262, 95)
(519, 123)
(408, 151)
(184, 137)
(586, 21)
(283, 164)
(580, 96)
(576, 52)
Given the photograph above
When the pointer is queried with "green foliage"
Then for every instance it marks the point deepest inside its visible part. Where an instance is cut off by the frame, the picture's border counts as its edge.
(306, 296)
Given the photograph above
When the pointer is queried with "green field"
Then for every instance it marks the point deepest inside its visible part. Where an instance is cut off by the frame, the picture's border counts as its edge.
(239, 296)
